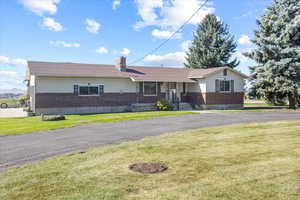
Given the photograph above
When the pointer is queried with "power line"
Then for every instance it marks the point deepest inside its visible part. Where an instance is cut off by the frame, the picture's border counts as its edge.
(173, 34)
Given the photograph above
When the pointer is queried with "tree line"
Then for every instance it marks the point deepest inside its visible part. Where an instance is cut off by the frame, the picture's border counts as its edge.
(276, 75)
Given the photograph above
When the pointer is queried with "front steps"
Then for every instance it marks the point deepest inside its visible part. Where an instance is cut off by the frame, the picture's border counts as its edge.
(185, 106)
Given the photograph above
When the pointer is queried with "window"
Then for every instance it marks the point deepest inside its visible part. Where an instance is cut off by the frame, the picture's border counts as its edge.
(225, 72)
(172, 86)
(88, 90)
(224, 86)
(150, 88)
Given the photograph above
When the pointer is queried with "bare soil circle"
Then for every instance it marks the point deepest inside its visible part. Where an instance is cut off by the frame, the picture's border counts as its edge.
(148, 168)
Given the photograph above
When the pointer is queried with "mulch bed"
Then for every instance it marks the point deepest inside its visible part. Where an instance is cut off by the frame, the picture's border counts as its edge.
(148, 168)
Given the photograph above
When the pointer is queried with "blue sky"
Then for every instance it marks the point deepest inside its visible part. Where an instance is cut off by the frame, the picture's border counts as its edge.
(97, 31)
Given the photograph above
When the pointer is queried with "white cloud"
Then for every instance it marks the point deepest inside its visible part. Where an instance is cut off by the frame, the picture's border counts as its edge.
(10, 79)
(241, 57)
(102, 50)
(244, 40)
(161, 34)
(185, 45)
(10, 74)
(40, 7)
(146, 10)
(52, 25)
(15, 62)
(180, 10)
(170, 14)
(115, 4)
(64, 44)
(92, 25)
(176, 59)
(125, 51)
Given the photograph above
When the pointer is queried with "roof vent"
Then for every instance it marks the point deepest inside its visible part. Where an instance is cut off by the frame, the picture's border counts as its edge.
(121, 63)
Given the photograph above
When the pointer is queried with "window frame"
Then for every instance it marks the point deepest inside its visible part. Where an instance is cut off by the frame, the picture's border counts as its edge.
(220, 88)
(156, 89)
(89, 85)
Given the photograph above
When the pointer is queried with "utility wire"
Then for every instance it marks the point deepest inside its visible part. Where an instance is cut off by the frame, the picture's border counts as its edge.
(167, 40)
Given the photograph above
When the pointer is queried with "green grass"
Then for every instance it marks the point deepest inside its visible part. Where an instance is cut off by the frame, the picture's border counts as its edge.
(256, 105)
(259, 161)
(255, 110)
(249, 109)
(10, 101)
(11, 126)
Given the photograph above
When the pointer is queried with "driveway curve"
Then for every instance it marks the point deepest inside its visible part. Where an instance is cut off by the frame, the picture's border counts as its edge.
(30, 147)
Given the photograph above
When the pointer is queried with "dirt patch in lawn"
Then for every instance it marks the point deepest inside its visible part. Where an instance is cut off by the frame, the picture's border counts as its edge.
(148, 168)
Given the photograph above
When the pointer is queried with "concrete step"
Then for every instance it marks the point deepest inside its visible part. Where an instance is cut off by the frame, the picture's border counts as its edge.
(185, 106)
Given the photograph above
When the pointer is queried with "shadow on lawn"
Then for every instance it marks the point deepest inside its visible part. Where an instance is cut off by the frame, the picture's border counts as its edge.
(265, 107)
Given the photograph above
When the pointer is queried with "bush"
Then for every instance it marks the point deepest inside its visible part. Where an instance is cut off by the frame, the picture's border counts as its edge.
(23, 100)
(163, 105)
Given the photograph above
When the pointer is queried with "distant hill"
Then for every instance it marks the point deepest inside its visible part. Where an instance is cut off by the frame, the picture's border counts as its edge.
(11, 91)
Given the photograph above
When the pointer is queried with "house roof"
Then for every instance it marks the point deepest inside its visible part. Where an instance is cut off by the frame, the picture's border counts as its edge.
(135, 73)
(203, 73)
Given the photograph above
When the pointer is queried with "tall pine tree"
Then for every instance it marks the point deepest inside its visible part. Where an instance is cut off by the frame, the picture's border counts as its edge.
(277, 74)
(213, 46)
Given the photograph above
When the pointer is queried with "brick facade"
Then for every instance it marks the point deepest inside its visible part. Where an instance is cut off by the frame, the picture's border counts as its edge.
(194, 98)
(224, 98)
(60, 100)
(214, 98)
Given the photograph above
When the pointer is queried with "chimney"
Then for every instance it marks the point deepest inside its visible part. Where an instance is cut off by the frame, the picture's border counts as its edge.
(121, 63)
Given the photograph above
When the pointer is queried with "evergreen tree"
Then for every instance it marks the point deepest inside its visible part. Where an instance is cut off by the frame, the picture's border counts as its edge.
(213, 46)
(277, 74)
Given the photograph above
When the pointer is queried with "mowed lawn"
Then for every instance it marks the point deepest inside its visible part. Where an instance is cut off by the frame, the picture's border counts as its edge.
(249, 109)
(11, 126)
(259, 161)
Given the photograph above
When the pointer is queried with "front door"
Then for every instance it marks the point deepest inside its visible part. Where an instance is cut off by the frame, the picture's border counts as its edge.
(172, 96)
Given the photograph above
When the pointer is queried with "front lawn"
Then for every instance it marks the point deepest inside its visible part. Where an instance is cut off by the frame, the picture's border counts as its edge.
(256, 109)
(10, 126)
(259, 161)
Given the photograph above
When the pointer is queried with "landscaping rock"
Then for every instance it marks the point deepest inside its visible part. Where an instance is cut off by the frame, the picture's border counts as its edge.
(53, 118)
(148, 168)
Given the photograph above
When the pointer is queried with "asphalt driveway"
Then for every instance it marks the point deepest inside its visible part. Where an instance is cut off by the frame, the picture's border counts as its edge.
(30, 147)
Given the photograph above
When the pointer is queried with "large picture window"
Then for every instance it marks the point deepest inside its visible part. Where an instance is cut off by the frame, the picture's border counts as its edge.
(88, 90)
(150, 88)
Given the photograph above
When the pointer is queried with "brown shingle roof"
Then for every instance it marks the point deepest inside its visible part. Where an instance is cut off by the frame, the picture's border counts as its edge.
(136, 73)
(201, 73)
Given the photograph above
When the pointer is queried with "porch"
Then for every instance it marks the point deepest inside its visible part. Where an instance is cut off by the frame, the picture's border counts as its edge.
(174, 92)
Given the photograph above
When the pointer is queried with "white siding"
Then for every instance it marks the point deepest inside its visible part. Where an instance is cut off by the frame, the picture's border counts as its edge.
(238, 81)
(200, 86)
(66, 85)
(179, 87)
(163, 87)
(32, 80)
(208, 84)
(31, 91)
